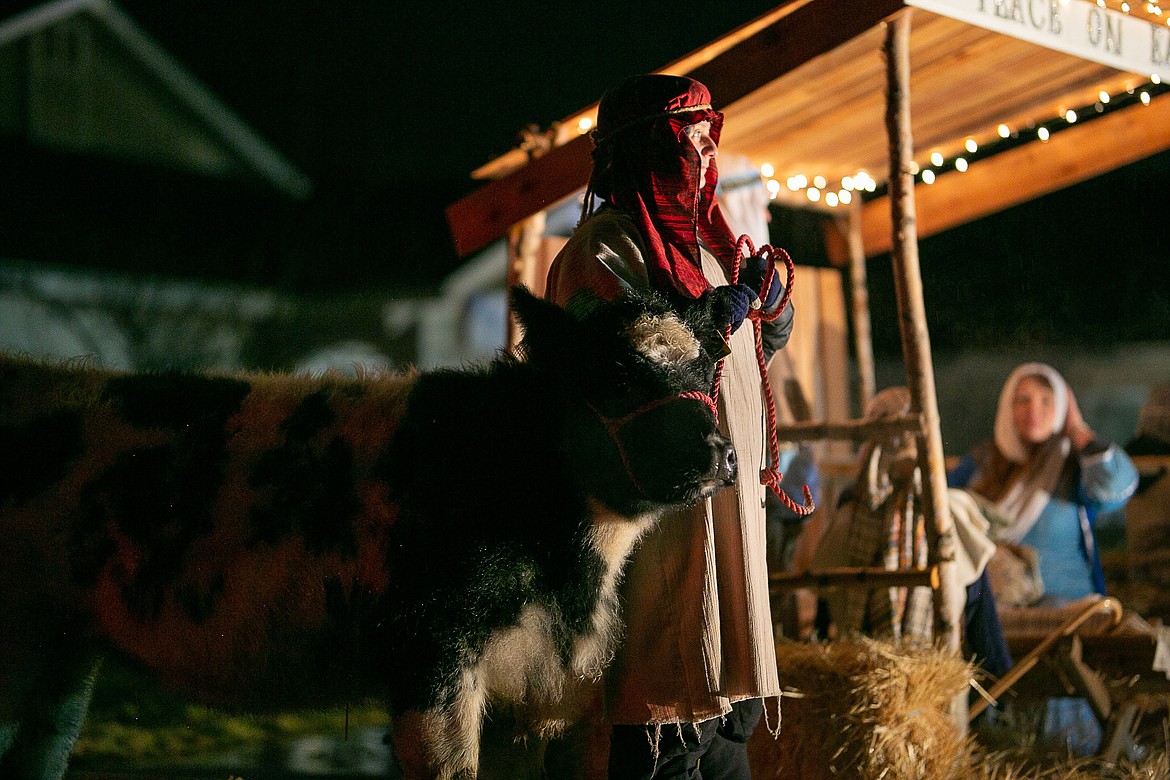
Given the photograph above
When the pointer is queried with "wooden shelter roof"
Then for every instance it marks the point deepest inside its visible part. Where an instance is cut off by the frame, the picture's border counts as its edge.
(803, 88)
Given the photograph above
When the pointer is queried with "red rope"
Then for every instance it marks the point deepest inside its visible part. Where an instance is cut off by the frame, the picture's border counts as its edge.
(769, 476)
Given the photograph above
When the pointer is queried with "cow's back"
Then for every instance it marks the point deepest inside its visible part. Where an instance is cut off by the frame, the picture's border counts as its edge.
(225, 530)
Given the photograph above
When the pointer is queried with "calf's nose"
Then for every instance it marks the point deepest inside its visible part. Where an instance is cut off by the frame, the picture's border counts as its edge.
(725, 461)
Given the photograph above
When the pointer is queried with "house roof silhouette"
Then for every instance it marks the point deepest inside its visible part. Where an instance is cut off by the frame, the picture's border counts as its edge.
(81, 76)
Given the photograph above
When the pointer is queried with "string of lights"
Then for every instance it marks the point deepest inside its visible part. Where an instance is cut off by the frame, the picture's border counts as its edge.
(818, 190)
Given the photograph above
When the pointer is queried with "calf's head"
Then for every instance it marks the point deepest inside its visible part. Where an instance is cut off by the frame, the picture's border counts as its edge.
(640, 431)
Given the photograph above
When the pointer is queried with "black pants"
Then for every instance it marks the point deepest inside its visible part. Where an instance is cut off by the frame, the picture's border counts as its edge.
(712, 750)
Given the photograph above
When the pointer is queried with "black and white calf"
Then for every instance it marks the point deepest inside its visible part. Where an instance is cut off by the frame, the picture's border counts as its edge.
(440, 541)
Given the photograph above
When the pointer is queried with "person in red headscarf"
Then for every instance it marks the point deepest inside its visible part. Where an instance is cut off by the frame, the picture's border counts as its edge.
(698, 654)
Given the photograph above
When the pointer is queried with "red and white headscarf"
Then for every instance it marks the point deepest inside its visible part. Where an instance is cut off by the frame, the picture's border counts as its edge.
(644, 164)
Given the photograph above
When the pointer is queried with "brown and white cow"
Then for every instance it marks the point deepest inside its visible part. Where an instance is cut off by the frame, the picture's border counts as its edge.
(440, 541)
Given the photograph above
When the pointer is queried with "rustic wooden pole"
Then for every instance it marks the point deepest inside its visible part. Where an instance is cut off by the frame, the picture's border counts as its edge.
(867, 577)
(859, 300)
(851, 430)
(523, 247)
(912, 323)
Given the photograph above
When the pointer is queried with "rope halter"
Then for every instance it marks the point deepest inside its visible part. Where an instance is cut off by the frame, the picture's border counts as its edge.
(613, 426)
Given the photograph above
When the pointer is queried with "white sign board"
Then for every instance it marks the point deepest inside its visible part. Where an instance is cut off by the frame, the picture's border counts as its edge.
(1076, 27)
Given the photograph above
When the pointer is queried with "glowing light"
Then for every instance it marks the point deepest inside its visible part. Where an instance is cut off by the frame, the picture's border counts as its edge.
(1004, 131)
(813, 194)
(863, 181)
(793, 184)
(819, 182)
(767, 171)
(1070, 116)
(1042, 133)
(971, 146)
(1155, 78)
(913, 168)
(1145, 97)
(928, 176)
(1125, 8)
(1100, 3)
(1103, 96)
(773, 187)
(845, 196)
(831, 199)
(960, 164)
(584, 124)
(801, 180)
(847, 183)
(936, 158)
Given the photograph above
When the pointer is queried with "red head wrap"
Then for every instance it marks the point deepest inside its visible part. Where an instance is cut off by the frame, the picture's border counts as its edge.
(644, 164)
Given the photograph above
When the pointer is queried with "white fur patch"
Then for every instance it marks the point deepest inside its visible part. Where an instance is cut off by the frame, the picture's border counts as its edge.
(664, 339)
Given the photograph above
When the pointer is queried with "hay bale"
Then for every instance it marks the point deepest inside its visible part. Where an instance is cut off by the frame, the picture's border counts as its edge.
(862, 708)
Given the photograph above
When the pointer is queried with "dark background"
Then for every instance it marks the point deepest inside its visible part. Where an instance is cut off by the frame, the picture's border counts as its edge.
(388, 107)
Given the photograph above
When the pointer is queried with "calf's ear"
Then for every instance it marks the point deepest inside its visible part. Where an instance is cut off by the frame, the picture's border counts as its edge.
(548, 329)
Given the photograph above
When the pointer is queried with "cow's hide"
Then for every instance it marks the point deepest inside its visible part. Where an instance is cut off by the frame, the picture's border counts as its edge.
(440, 541)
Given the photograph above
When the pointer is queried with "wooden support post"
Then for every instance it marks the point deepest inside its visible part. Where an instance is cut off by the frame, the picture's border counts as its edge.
(523, 247)
(912, 324)
(859, 300)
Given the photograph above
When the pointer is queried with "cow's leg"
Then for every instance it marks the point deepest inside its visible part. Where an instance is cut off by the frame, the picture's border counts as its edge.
(443, 742)
(46, 717)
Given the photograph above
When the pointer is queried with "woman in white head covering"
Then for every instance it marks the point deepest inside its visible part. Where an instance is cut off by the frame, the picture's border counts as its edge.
(1048, 475)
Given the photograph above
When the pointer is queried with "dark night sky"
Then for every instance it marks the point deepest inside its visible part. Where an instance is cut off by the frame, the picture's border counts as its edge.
(388, 107)
(379, 92)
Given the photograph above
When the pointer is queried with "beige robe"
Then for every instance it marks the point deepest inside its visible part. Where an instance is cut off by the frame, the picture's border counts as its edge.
(698, 627)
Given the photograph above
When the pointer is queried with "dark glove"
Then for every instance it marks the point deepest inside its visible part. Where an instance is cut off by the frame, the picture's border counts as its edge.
(732, 303)
(752, 274)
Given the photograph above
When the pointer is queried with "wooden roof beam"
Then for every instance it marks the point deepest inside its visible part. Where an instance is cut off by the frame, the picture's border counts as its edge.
(1073, 155)
(807, 31)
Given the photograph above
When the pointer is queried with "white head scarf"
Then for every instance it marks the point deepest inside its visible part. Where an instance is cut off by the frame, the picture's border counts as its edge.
(1007, 438)
(1031, 491)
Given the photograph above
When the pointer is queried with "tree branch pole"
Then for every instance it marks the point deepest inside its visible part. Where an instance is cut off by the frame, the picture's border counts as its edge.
(863, 340)
(912, 323)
